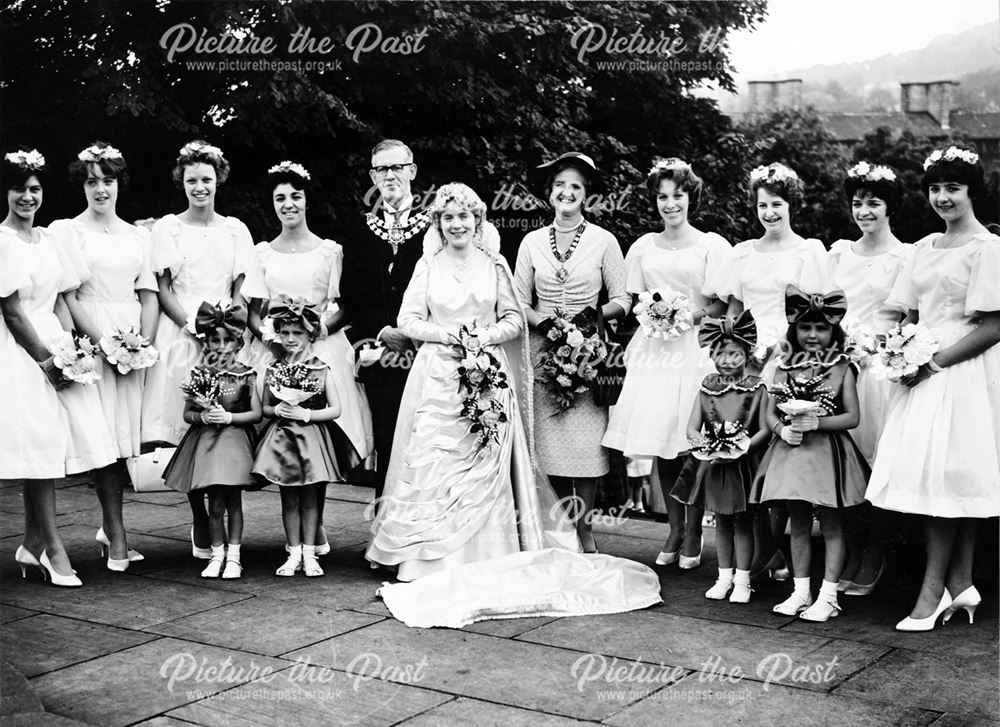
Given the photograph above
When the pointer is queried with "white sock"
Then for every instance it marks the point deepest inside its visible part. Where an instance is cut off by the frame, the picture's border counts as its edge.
(308, 551)
(802, 585)
(726, 574)
(742, 577)
(829, 588)
(219, 551)
(234, 551)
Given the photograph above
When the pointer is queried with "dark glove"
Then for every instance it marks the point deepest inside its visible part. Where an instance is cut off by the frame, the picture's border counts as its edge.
(545, 326)
(586, 320)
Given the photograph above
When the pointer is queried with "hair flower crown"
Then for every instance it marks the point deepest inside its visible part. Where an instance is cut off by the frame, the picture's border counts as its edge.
(26, 159)
(200, 147)
(95, 154)
(949, 155)
(287, 166)
(871, 173)
(775, 172)
(669, 165)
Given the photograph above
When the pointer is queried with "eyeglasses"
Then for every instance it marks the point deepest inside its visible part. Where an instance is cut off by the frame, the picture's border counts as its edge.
(396, 169)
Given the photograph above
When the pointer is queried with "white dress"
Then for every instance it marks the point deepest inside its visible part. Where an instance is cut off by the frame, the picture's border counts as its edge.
(867, 282)
(314, 276)
(939, 453)
(203, 263)
(115, 268)
(72, 437)
(663, 377)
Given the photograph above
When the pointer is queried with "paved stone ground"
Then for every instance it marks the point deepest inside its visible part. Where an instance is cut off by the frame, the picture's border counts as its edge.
(160, 646)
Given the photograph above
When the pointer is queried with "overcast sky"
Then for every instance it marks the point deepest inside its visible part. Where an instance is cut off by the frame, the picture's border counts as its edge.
(803, 33)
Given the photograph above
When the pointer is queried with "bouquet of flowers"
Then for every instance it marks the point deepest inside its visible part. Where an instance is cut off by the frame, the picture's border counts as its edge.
(76, 357)
(721, 440)
(905, 350)
(664, 313)
(570, 360)
(127, 350)
(861, 342)
(802, 394)
(203, 387)
(479, 379)
(293, 383)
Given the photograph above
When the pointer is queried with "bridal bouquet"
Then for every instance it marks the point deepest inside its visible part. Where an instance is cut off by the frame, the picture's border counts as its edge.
(570, 360)
(802, 394)
(721, 440)
(203, 387)
(293, 383)
(861, 343)
(76, 357)
(127, 350)
(479, 379)
(664, 313)
(905, 350)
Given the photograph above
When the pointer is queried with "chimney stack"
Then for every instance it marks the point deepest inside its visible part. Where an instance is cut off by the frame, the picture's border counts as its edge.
(768, 96)
(936, 98)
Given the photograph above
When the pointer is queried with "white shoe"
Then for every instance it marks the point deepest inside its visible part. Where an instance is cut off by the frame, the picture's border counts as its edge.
(822, 610)
(720, 590)
(214, 567)
(233, 570)
(741, 593)
(794, 604)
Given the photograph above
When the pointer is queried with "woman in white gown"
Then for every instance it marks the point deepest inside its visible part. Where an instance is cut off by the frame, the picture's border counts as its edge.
(198, 255)
(475, 528)
(301, 265)
(117, 290)
(939, 453)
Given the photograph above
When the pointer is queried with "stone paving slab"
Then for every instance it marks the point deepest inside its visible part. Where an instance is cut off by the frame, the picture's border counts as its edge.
(135, 684)
(710, 647)
(508, 628)
(263, 625)
(506, 671)
(18, 694)
(291, 700)
(13, 613)
(907, 676)
(463, 712)
(746, 702)
(44, 643)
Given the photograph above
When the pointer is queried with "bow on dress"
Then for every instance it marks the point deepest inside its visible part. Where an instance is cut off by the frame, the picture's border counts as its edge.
(283, 308)
(831, 307)
(209, 317)
(743, 329)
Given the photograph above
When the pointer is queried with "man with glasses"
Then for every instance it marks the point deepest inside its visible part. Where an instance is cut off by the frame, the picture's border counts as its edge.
(380, 253)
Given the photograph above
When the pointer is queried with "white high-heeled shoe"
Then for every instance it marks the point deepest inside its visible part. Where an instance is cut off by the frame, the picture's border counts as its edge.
(133, 556)
(58, 580)
(200, 553)
(687, 562)
(928, 623)
(969, 599)
(24, 558)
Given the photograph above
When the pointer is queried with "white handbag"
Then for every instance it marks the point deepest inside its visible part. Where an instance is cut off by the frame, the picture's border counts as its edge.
(146, 470)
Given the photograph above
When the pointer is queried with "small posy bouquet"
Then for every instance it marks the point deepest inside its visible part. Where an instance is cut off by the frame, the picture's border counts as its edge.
(127, 350)
(861, 343)
(906, 349)
(203, 387)
(76, 357)
(664, 313)
(479, 380)
(293, 383)
(721, 440)
(569, 361)
(802, 394)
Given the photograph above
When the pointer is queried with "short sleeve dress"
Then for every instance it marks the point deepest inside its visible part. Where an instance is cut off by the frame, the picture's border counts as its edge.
(569, 443)
(204, 263)
(116, 269)
(662, 377)
(315, 276)
(867, 282)
(211, 455)
(939, 453)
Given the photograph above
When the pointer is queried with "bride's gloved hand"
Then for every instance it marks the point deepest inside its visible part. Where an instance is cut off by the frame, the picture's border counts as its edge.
(585, 319)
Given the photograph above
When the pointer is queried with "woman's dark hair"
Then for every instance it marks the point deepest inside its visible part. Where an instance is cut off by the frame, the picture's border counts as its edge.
(200, 152)
(838, 339)
(15, 175)
(79, 169)
(956, 170)
(681, 174)
(790, 188)
(889, 191)
(286, 176)
(586, 172)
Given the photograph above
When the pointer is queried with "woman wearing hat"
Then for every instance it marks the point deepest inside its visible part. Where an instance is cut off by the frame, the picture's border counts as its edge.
(561, 269)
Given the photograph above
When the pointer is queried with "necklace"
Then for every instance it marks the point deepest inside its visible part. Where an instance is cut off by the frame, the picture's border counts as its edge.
(397, 233)
(561, 272)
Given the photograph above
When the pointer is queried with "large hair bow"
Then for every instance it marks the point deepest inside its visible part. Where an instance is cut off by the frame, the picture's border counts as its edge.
(831, 307)
(209, 317)
(743, 328)
(283, 308)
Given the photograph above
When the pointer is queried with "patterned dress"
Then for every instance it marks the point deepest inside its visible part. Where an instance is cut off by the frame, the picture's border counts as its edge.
(569, 443)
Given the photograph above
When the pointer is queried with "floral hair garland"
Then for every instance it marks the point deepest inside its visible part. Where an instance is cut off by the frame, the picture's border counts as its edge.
(669, 165)
(293, 167)
(870, 173)
(199, 147)
(462, 195)
(775, 172)
(949, 155)
(26, 159)
(95, 154)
